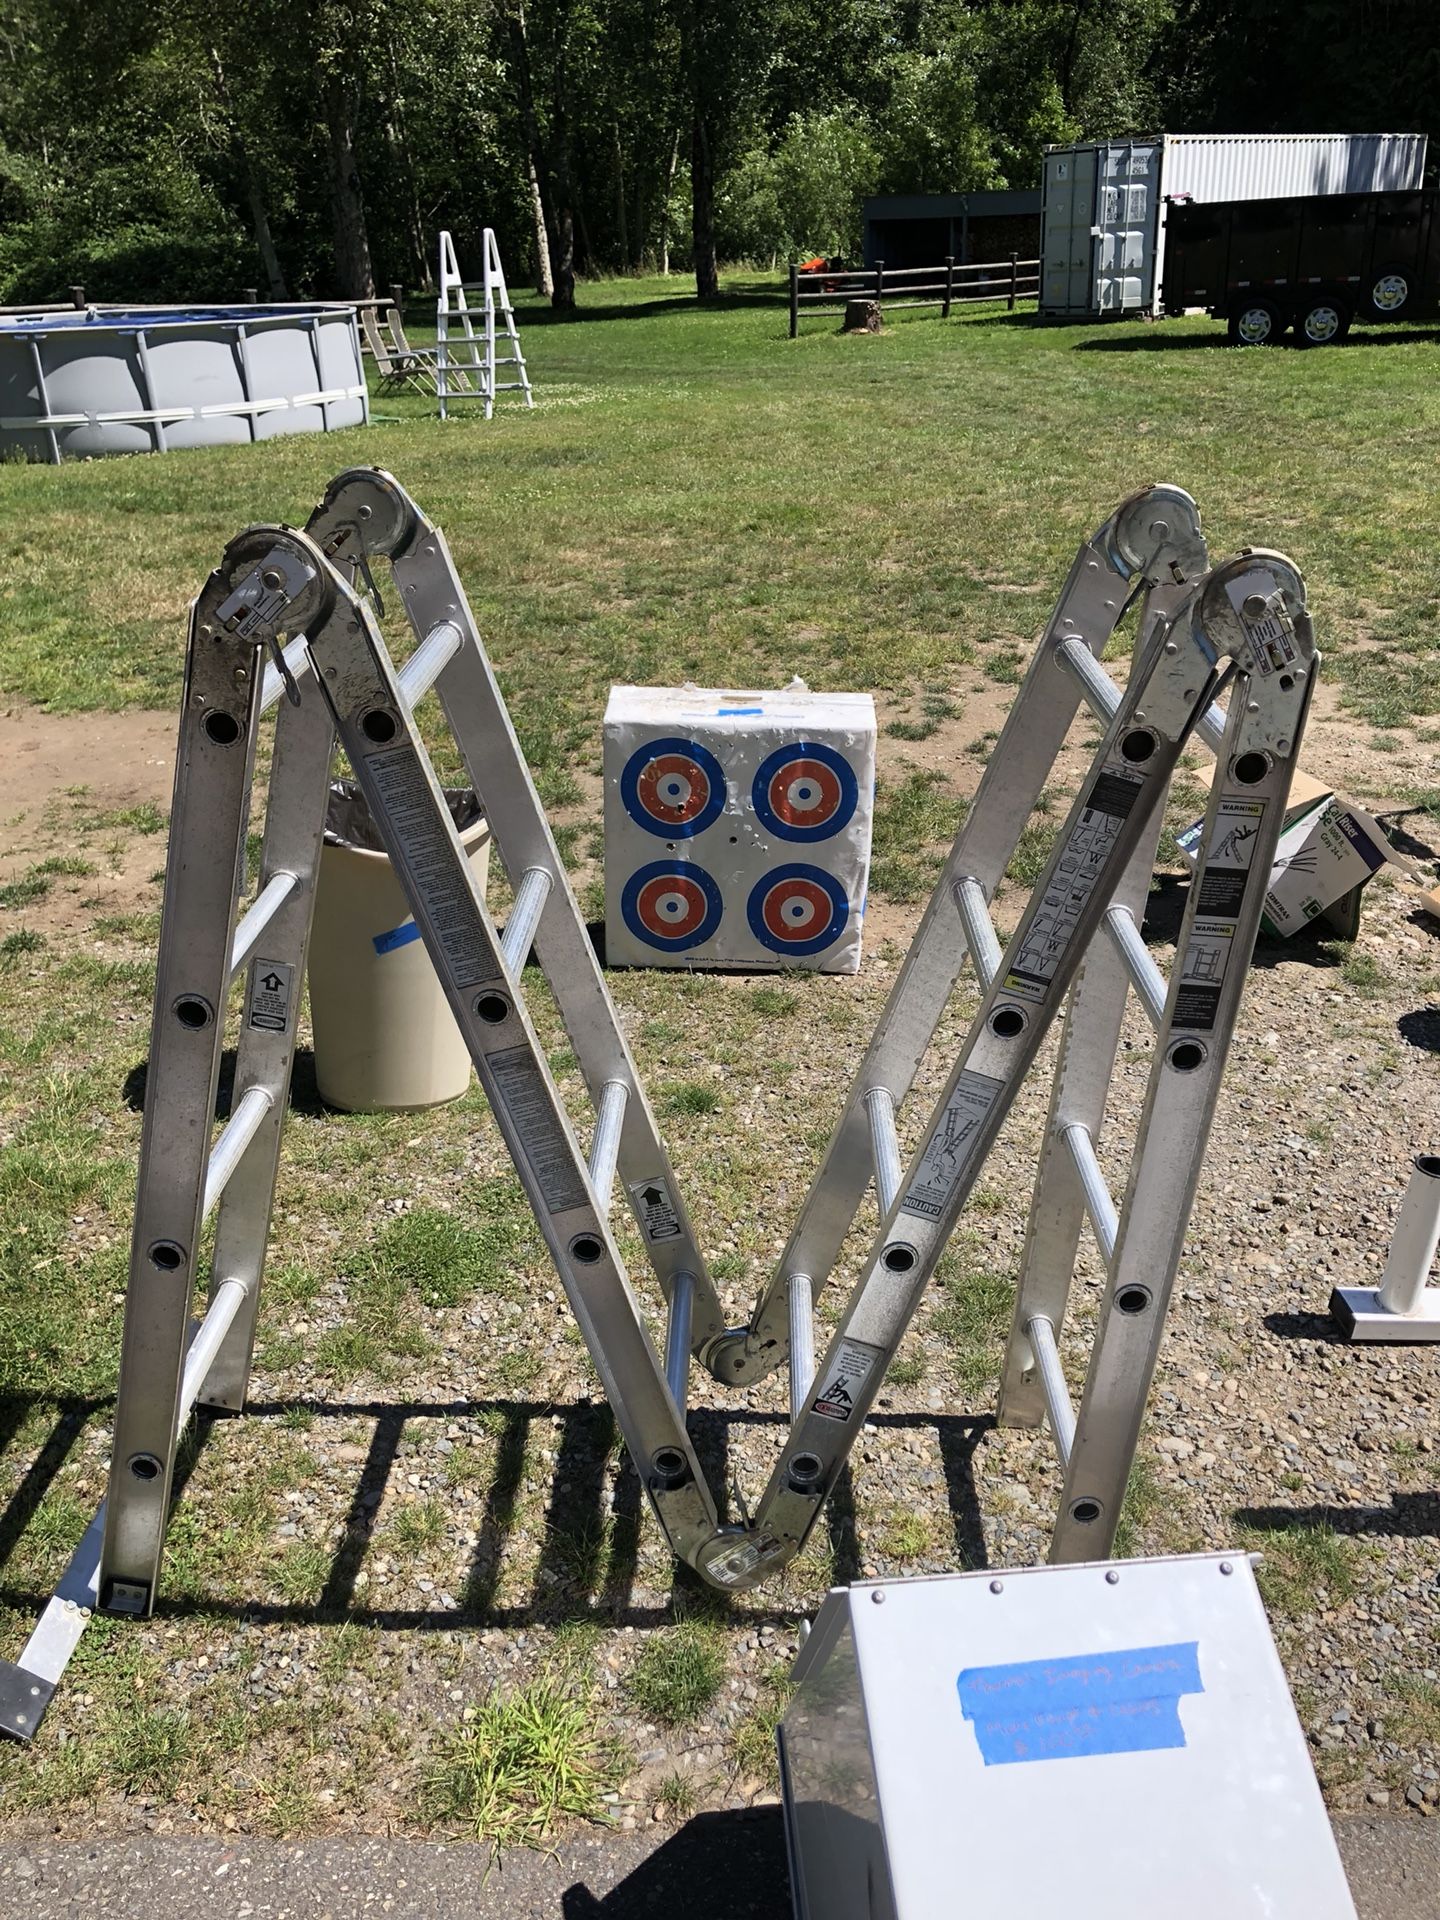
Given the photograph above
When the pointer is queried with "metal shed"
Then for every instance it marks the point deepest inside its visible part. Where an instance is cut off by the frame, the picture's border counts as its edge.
(922, 229)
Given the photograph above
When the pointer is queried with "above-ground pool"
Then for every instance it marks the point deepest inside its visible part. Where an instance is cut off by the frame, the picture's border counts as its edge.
(145, 379)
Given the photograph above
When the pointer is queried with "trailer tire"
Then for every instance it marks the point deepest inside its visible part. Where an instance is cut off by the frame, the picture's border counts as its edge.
(1256, 323)
(1390, 294)
(1322, 322)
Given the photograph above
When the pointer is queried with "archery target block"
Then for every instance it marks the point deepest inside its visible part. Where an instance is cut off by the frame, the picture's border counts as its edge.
(737, 827)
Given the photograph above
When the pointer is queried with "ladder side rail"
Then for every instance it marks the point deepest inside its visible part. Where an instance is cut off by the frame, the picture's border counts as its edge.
(474, 706)
(270, 1020)
(1090, 606)
(1243, 824)
(394, 773)
(1124, 788)
(512, 333)
(491, 274)
(1094, 1018)
(204, 872)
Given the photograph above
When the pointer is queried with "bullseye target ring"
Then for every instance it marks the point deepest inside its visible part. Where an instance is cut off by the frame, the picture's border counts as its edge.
(673, 788)
(805, 791)
(671, 905)
(797, 910)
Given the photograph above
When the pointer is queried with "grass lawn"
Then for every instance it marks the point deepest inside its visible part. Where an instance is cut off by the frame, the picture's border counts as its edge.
(427, 1548)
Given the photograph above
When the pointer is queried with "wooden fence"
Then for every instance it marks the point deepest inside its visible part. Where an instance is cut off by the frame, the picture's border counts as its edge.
(945, 286)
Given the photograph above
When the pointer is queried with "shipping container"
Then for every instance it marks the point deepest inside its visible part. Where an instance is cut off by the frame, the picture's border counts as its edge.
(1104, 220)
(1314, 263)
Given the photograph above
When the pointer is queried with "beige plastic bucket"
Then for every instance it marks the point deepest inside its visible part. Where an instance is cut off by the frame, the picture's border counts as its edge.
(385, 1037)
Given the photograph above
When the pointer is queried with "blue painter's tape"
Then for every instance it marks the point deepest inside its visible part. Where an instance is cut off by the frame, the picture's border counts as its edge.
(1090, 1703)
(400, 936)
(727, 713)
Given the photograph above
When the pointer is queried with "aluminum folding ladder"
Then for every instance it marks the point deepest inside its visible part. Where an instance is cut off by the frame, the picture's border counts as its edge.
(468, 366)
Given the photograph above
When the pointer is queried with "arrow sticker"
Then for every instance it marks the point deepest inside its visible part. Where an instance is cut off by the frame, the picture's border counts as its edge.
(268, 1005)
(655, 1210)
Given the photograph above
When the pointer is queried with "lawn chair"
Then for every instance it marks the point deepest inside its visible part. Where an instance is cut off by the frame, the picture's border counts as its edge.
(400, 366)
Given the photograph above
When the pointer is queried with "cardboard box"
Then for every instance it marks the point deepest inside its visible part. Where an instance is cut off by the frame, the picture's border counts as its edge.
(1328, 849)
(737, 827)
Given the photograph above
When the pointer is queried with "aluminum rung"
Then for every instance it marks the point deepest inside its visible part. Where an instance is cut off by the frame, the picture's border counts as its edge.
(677, 1338)
(1150, 984)
(267, 903)
(530, 897)
(980, 935)
(272, 684)
(1052, 1380)
(1104, 696)
(605, 1150)
(26, 1687)
(884, 1146)
(1098, 1204)
(429, 661)
(802, 1342)
(229, 1149)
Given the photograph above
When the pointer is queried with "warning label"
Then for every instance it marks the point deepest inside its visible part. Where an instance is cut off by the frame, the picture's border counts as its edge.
(1220, 893)
(655, 1210)
(269, 1003)
(1084, 859)
(440, 873)
(739, 1562)
(522, 1095)
(1272, 640)
(845, 1380)
(950, 1147)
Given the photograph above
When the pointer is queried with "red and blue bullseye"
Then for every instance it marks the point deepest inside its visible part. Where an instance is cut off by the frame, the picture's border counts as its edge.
(805, 791)
(672, 905)
(797, 910)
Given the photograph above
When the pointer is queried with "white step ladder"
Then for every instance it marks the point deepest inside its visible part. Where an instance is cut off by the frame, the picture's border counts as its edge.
(469, 366)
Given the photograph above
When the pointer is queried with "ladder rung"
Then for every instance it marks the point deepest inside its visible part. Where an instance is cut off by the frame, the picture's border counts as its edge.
(605, 1150)
(1041, 1336)
(297, 659)
(884, 1146)
(1145, 976)
(429, 660)
(229, 1149)
(1098, 1204)
(677, 1338)
(262, 910)
(802, 1343)
(1104, 696)
(979, 929)
(530, 897)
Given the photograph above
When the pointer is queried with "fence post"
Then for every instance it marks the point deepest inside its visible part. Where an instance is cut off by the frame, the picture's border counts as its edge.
(879, 281)
(251, 296)
(397, 296)
(77, 296)
(1014, 270)
(949, 286)
(794, 298)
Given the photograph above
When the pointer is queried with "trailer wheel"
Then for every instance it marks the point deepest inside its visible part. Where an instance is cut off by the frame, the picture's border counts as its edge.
(1323, 323)
(1389, 295)
(1256, 323)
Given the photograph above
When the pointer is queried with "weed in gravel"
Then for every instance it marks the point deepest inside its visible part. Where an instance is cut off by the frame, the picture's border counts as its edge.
(448, 1259)
(752, 1745)
(908, 1371)
(417, 1525)
(915, 821)
(22, 940)
(1032, 852)
(1144, 1499)
(774, 1003)
(1358, 969)
(301, 1572)
(1304, 1564)
(679, 1672)
(25, 891)
(905, 1535)
(519, 1764)
(973, 1312)
(687, 1097)
(1414, 1720)
(147, 1749)
(677, 1796)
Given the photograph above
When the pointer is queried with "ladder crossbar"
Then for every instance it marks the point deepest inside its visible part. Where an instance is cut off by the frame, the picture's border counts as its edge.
(1098, 1204)
(297, 660)
(429, 661)
(229, 1150)
(677, 1338)
(884, 1146)
(802, 1342)
(1058, 1404)
(258, 916)
(605, 1148)
(1104, 696)
(1151, 986)
(530, 897)
(979, 929)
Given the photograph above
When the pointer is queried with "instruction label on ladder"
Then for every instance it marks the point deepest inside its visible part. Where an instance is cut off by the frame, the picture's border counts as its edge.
(1082, 861)
(434, 862)
(655, 1209)
(1220, 894)
(521, 1091)
(269, 1004)
(951, 1146)
(845, 1379)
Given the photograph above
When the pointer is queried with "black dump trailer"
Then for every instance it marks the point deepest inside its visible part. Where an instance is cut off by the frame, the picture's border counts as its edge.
(1314, 263)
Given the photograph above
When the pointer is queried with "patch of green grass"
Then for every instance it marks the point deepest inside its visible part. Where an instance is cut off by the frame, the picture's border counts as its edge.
(522, 1762)
(25, 891)
(22, 940)
(1304, 1567)
(1358, 969)
(688, 1097)
(148, 1749)
(916, 819)
(907, 1371)
(417, 1525)
(752, 1744)
(446, 1259)
(678, 1674)
(301, 1572)
(1032, 852)
(677, 1796)
(905, 1535)
(1144, 1501)
(973, 1312)
(773, 1003)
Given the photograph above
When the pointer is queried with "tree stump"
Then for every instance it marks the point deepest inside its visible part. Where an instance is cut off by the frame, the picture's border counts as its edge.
(862, 316)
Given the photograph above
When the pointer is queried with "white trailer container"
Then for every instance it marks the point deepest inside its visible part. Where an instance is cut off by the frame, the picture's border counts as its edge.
(1102, 248)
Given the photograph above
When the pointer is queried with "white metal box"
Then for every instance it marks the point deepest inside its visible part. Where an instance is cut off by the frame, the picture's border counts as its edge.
(737, 827)
(1103, 231)
(1104, 1742)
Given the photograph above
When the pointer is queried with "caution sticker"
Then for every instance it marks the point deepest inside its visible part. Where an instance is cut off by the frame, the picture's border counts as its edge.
(269, 1003)
(951, 1146)
(655, 1209)
(845, 1379)
(1077, 871)
(1220, 891)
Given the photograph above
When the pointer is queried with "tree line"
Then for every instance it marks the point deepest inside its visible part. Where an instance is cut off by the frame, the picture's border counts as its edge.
(183, 149)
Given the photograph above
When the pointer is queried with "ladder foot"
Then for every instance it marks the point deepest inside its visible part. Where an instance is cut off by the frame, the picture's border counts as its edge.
(735, 1362)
